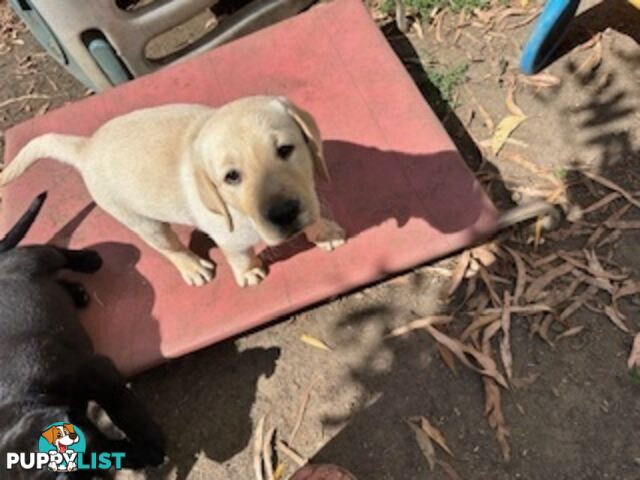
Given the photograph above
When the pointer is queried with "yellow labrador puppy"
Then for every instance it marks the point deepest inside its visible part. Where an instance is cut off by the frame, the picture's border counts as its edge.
(242, 173)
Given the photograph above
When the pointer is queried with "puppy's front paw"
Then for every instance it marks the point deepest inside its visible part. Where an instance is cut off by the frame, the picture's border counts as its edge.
(326, 234)
(195, 271)
(251, 277)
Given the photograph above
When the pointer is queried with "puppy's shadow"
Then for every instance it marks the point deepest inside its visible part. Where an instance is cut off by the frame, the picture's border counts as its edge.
(370, 186)
(203, 401)
(110, 316)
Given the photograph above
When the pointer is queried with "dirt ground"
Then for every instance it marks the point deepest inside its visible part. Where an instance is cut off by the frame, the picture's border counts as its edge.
(572, 409)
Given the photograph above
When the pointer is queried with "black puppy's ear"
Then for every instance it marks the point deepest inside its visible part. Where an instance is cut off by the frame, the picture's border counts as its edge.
(22, 226)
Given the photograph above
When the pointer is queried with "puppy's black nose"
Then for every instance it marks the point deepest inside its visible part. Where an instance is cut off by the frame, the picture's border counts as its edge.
(283, 213)
(73, 436)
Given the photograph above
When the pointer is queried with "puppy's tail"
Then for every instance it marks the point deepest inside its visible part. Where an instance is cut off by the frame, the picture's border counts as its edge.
(65, 148)
(20, 229)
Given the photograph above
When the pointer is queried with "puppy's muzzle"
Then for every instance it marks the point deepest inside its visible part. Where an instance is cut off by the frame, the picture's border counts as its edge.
(285, 215)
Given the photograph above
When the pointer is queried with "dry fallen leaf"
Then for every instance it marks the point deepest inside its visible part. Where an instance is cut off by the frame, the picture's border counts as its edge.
(629, 287)
(267, 453)
(513, 108)
(602, 202)
(541, 80)
(578, 302)
(612, 186)
(493, 403)
(570, 332)
(504, 129)
(488, 281)
(495, 417)
(433, 433)
(594, 59)
(634, 356)
(509, 12)
(258, 442)
(447, 358)
(458, 273)
(538, 233)
(539, 284)
(595, 236)
(529, 309)
(543, 330)
(478, 323)
(486, 364)
(589, 43)
(525, 21)
(306, 396)
(425, 444)
(449, 470)
(624, 225)
(291, 453)
(420, 324)
(314, 342)
(616, 317)
(521, 271)
(484, 255)
(278, 474)
(505, 341)
(597, 270)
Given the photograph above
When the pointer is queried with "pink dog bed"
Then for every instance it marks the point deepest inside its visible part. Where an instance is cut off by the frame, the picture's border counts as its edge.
(399, 187)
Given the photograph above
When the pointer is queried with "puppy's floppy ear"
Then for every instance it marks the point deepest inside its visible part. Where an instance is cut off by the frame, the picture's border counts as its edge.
(210, 196)
(69, 427)
(311, 132)
(50, 434)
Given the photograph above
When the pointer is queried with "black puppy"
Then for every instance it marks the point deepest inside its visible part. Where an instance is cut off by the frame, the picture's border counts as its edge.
(48, 370)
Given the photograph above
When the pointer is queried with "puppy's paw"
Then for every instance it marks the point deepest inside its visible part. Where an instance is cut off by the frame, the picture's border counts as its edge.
(195, 271)
(251, 277)
(327, 235)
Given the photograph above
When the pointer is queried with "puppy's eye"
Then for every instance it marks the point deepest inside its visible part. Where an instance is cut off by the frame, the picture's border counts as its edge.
(284, 151)
(232, 177)
(59, 435)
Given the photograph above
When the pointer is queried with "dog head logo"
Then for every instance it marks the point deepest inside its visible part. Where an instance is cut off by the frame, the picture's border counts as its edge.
(63, 442)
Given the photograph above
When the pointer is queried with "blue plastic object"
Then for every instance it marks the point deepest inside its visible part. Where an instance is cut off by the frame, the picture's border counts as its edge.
(547, 34)
(108, 60)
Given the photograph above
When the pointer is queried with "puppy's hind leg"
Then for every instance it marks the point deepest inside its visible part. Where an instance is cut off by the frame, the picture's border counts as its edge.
(194, 270)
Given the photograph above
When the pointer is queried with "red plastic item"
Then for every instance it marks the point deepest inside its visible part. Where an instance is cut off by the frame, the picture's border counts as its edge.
(399, 187)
